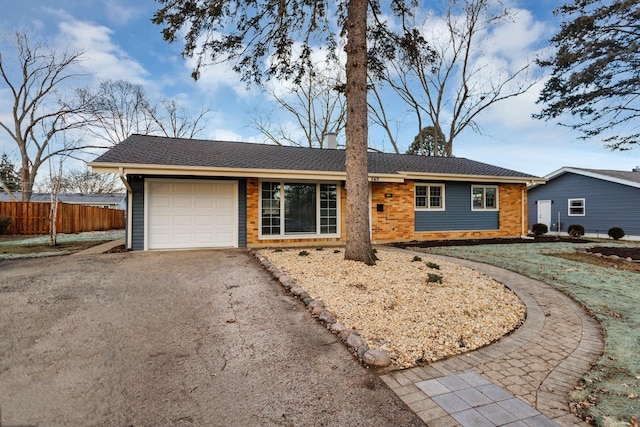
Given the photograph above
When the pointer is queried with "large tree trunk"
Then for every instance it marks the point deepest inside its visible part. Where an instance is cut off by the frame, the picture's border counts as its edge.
(358, 246)
(26, 184)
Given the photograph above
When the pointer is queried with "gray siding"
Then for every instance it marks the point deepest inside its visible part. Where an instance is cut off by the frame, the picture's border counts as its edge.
(607, 204)
(137, 212)
(242, 213)
(457, 214)
(137, 229)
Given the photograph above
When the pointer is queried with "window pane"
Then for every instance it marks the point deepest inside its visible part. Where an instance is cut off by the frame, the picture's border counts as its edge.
(490, 198)
(299, 208)
(270, 213)
(435, 197)
(576, 207)
(329, 213)
(421, 196)
(477, 197)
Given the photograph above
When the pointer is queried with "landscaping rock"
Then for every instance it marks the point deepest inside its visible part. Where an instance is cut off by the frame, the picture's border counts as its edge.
(376, 358)
(307, 300)
(327, 317)
(337, 328)
(316, 309)
(362, 350)
(345, 333)
(297, 290)
(354, 341)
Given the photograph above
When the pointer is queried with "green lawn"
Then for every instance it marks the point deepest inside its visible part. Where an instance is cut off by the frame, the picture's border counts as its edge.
(611, 294)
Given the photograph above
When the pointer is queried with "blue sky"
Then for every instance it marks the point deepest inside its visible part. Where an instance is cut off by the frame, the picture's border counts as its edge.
(120, 42)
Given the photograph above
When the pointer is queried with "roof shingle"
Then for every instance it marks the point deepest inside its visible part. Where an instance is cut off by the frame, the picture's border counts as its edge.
(155, 150)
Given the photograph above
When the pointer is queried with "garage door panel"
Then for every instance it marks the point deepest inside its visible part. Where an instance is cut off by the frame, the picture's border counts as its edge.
(191, 214)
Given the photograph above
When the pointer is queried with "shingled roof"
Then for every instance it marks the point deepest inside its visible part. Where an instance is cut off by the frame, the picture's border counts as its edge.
(143, 150)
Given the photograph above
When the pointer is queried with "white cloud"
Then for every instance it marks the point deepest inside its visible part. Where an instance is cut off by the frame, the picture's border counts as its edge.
(103, 58)
(121, 13)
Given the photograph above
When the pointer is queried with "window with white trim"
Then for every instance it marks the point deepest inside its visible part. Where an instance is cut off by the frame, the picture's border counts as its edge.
(484, 197)
(298, 209)
(576, 207)
(429, 196)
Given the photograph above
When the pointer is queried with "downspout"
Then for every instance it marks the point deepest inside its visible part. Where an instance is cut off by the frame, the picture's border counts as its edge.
(123, 178)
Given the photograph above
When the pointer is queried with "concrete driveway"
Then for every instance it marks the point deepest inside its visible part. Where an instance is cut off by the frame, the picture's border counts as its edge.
(173, 338)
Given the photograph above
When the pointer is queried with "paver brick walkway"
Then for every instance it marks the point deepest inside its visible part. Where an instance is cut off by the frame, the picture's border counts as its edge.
(538, 364)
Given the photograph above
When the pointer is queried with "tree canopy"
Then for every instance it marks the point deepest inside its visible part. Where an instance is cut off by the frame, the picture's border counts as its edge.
(426, 143)
(596, 71)
(9, 178)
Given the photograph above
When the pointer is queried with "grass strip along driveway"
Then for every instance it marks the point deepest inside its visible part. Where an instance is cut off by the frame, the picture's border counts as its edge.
(609, 395)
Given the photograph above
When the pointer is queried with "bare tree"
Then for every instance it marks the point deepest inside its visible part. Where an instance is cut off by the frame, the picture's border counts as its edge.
(173, 121)
(441, 78)
(35, 80)
(316, 105)
(119, 108)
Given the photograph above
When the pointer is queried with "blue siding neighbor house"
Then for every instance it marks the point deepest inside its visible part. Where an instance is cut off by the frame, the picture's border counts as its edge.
(596, 199)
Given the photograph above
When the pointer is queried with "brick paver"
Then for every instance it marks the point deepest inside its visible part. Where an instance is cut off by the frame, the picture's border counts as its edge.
(523, 379)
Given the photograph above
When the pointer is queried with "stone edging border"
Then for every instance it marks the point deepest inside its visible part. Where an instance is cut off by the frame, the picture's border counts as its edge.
(350, 337)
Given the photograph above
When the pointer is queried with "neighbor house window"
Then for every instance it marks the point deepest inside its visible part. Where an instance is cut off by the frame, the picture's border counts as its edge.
(484, 197)
(429, 196)
(576, 207)
(293, 208)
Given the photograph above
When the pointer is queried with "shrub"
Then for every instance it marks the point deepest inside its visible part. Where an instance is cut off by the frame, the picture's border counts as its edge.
(5, 222)
(303, 253)
(433, 265)
(336, 251)
(416, 258)
(616, 233)
(539, 229)
(434, 278)
(575, 230)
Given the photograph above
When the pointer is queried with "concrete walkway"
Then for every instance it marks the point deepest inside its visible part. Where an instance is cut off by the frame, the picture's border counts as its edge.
(101, 248)
(522, 380)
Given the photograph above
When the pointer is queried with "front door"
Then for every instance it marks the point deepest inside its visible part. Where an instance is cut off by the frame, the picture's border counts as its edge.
(544, 212)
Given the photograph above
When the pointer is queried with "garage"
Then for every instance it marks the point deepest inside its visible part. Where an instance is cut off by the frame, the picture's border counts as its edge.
(183, 214)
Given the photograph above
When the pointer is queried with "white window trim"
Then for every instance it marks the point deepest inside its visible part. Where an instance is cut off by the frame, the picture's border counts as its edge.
(484, 195)
(428, 207)
(584, 207)
(317, 234)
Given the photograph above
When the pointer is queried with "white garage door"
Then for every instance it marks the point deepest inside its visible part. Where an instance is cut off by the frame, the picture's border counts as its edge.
(191, 214)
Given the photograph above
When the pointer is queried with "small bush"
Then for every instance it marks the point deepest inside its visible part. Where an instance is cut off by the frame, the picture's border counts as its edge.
(336, 251)
(434, 278)
(319, 249)
(303, 253)
(539, 229)
(575, 230)
(5, 222)
(277, 250)
(416, 259)
(616, 233)
(433, 265)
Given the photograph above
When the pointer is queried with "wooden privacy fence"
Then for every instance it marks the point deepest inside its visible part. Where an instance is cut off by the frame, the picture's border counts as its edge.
(33, 218)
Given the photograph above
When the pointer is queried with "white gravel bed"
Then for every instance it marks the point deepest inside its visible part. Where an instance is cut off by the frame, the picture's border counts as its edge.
(395, 308)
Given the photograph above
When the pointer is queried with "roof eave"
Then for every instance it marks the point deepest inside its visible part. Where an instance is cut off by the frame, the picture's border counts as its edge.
(145, 169)
(476, 178)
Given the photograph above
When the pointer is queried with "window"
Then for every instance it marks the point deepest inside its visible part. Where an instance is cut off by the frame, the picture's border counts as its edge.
(484, 198)
(293, 208)
(576, 207)
(429, 197)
